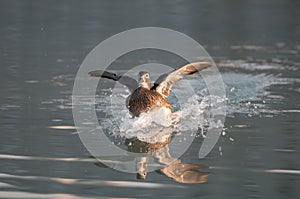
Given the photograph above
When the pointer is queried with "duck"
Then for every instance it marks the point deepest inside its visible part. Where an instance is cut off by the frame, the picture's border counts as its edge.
(144, 97)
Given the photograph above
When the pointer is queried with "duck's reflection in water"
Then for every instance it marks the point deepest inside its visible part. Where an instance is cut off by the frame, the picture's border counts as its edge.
(174, 168)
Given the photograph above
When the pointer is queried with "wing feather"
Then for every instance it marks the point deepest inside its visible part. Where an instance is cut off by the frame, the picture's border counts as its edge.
(129, 82)
(165, 82)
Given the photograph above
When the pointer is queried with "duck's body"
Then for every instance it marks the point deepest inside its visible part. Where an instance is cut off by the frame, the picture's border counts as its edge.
(143, 100)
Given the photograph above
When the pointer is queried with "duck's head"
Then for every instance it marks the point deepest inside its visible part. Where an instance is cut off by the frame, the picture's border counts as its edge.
(144, 79)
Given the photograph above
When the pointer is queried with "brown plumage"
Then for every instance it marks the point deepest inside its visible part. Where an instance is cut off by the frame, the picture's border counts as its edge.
(145, 98)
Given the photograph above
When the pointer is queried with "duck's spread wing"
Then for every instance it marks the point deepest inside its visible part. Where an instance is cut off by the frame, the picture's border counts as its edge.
(165, 82)
(125, 80)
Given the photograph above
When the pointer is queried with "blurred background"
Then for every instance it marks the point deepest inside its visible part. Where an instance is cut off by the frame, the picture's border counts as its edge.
(256, 45)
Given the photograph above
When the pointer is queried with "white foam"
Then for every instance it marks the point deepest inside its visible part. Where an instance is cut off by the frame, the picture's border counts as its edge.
(193, 114)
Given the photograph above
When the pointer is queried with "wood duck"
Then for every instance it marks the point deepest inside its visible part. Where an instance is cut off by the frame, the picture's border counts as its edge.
(145, 98)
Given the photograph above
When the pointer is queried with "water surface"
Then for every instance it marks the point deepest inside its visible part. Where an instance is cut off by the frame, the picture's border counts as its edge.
(255, 44)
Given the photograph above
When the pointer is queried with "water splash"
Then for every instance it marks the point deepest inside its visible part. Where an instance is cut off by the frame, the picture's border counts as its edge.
(246, 94)
(194, 114)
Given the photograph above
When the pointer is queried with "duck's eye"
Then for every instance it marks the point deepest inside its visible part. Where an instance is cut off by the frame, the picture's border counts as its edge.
(147, 75)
